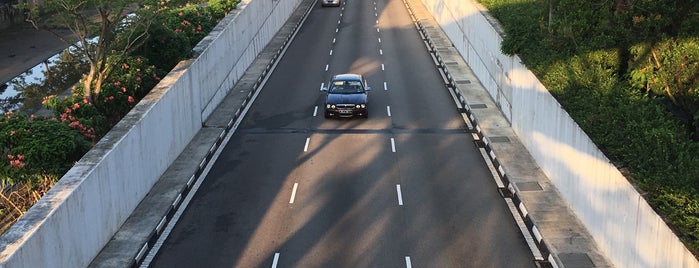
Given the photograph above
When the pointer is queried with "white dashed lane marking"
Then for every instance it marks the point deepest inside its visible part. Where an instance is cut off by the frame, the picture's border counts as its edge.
(400, 195)
(393, 145)
(388, 110)
(293, 193)
(305, 147)
(276, 260)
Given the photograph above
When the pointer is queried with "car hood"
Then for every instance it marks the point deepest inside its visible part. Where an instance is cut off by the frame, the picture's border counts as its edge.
(346, 98)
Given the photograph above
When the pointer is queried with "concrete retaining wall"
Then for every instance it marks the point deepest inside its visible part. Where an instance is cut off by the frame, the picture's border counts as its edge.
(79, 215)
(618, 217)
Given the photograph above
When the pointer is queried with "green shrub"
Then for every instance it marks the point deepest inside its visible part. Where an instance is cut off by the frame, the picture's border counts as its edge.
(37, 147)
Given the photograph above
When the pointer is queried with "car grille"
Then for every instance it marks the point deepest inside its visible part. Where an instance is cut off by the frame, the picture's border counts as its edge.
(345, 106)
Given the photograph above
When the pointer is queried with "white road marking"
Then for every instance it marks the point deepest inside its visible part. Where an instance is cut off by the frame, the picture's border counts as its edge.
(523, 230)
(375, 14)
(388, 110)
(382, 67)
(276, 260)
(385, 86)
(322, 85)
(379, 40)
(326, 67)
(305, 147)
(333, 40)
(338, 21)
(393, 145)
(331, 52)
(337, 29)
(381, 51)
(407, 262)
(400, 195)
(293, 193)
(377, 22)
(315, 111)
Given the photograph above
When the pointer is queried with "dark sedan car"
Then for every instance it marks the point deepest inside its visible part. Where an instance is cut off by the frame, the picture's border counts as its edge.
(346, 96)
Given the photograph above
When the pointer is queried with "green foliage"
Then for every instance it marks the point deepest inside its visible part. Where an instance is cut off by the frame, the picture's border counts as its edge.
(36, 147)
(670, 68)
(222, 6)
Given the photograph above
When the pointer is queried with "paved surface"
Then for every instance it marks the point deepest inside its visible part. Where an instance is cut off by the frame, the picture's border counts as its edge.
(346, 210)
(23, 47)
(564, 235)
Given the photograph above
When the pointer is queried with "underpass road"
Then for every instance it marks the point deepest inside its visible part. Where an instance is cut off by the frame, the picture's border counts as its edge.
(404, 188)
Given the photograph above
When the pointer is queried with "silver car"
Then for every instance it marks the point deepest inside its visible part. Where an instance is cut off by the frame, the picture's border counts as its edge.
(327, 3)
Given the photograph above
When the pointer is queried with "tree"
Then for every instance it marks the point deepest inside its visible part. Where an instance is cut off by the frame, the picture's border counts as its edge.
(96, 24)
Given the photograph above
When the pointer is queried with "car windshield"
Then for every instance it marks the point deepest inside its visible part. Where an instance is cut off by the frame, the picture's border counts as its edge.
(346, 87)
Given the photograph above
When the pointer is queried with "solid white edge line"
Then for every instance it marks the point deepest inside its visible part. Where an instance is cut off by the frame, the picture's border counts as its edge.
(276, 260)
(393, 145)
(523, 230)
(293, 193)
(305, 147)
(400, 195)
(388, 110)
(315, 111)
(408, 264)
(491, 168)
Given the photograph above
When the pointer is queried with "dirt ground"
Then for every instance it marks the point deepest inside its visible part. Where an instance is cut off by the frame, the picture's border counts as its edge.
(23, 47)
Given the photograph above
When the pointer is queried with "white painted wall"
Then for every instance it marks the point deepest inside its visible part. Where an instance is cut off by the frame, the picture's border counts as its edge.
(617, 216)
(79, 215)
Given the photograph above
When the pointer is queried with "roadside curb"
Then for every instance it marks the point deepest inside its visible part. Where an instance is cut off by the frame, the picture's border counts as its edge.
(215, 135)
(508, 190)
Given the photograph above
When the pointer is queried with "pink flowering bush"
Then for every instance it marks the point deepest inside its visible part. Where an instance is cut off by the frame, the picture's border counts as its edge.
(33, 148)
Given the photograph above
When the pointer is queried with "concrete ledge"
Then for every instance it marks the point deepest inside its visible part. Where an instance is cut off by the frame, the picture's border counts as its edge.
(607, 214)
(131, 245)
(540, 205)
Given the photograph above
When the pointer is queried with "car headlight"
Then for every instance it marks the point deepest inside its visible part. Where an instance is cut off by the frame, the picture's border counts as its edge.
(330, 106)
(361, 106)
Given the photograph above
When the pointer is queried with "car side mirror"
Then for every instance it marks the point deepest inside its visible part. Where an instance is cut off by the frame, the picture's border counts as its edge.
(324, 89)
(368, 88)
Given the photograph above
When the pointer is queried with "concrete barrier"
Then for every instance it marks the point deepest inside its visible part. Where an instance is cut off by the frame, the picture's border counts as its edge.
(79, 215)
(617, 216)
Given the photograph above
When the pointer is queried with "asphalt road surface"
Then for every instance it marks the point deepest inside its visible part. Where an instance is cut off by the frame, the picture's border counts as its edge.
(406, 187)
